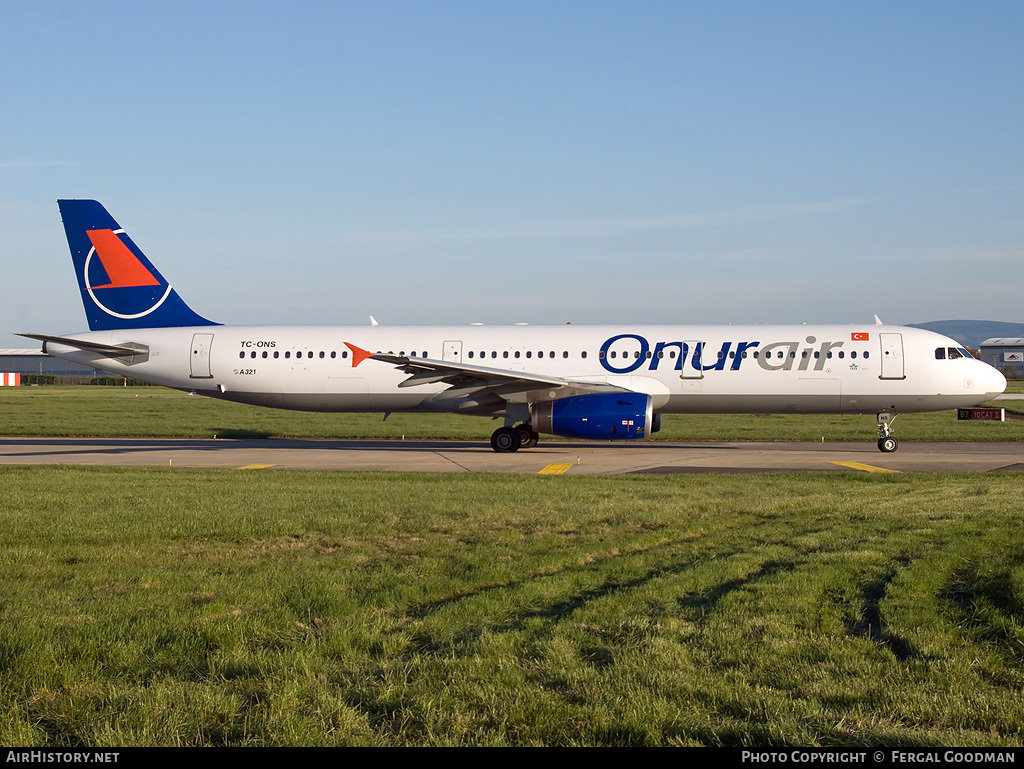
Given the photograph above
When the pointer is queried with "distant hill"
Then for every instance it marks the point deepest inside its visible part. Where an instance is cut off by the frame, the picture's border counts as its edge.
(972, 333)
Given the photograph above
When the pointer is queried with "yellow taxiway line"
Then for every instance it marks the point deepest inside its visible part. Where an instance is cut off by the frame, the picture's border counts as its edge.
(555, 469)
(866, 468)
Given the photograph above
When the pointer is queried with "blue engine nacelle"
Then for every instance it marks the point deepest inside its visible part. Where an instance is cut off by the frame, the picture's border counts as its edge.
(615, 416)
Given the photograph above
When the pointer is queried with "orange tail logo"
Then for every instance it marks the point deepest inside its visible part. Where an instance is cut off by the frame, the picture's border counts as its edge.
(122, 266)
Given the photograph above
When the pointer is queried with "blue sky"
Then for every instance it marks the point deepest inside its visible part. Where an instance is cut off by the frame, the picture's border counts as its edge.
(455, 162)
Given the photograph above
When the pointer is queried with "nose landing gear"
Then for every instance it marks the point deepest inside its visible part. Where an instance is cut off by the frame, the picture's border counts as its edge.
(886, 440)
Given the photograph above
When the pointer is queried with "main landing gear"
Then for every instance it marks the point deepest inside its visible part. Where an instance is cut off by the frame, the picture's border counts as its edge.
(886, 440)
(506, 439)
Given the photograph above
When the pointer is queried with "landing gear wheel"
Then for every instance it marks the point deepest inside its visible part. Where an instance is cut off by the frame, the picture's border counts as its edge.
(888, 444)
(886, 440)
(505, 440)
(527, 437)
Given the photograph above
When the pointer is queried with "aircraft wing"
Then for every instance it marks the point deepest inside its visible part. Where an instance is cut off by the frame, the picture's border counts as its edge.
(481, 389)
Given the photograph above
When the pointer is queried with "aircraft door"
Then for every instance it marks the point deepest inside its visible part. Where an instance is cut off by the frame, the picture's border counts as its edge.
(892, 356)
(452, 351)
(200, 358)
(693, 350)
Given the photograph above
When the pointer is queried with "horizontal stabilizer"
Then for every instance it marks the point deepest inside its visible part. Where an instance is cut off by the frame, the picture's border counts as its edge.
(106, 350)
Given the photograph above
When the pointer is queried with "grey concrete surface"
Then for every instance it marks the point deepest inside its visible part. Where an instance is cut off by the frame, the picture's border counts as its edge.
(549, 456)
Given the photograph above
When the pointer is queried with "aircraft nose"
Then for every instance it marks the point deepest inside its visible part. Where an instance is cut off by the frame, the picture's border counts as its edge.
(993, 382)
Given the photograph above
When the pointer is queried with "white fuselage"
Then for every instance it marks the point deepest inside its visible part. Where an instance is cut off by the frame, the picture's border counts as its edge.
(686, 369)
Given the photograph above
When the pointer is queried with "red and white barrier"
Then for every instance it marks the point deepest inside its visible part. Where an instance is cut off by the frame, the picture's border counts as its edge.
(10, 380)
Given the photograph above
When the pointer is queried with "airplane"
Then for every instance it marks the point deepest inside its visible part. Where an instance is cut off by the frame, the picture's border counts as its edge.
(583, 382)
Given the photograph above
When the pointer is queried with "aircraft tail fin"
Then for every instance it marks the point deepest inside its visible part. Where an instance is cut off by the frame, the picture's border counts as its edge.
(120, 287)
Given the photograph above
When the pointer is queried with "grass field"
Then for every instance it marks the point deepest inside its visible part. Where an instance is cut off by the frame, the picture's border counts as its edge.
(157, 412)
(188, 607)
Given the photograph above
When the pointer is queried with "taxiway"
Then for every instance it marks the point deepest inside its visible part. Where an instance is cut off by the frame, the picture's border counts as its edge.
(550, 457)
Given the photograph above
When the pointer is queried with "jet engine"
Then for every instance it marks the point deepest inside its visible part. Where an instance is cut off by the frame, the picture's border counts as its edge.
(615, 416)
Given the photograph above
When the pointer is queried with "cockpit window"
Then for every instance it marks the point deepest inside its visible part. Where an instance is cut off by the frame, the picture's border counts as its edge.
(940, 353)
(954, 353)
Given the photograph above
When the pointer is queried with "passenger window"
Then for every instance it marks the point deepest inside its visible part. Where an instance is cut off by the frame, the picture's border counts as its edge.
(241, 354)
(288, 353)
(583, 354)
(470, 353)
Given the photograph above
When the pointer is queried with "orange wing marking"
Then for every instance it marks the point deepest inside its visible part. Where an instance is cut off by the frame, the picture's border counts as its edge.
(358, 354)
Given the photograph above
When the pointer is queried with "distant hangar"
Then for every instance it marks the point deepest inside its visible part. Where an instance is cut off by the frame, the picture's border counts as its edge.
(37, 362)
(1004, 353)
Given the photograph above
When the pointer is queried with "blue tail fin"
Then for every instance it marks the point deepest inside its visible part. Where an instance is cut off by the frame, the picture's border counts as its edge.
(120, 287)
